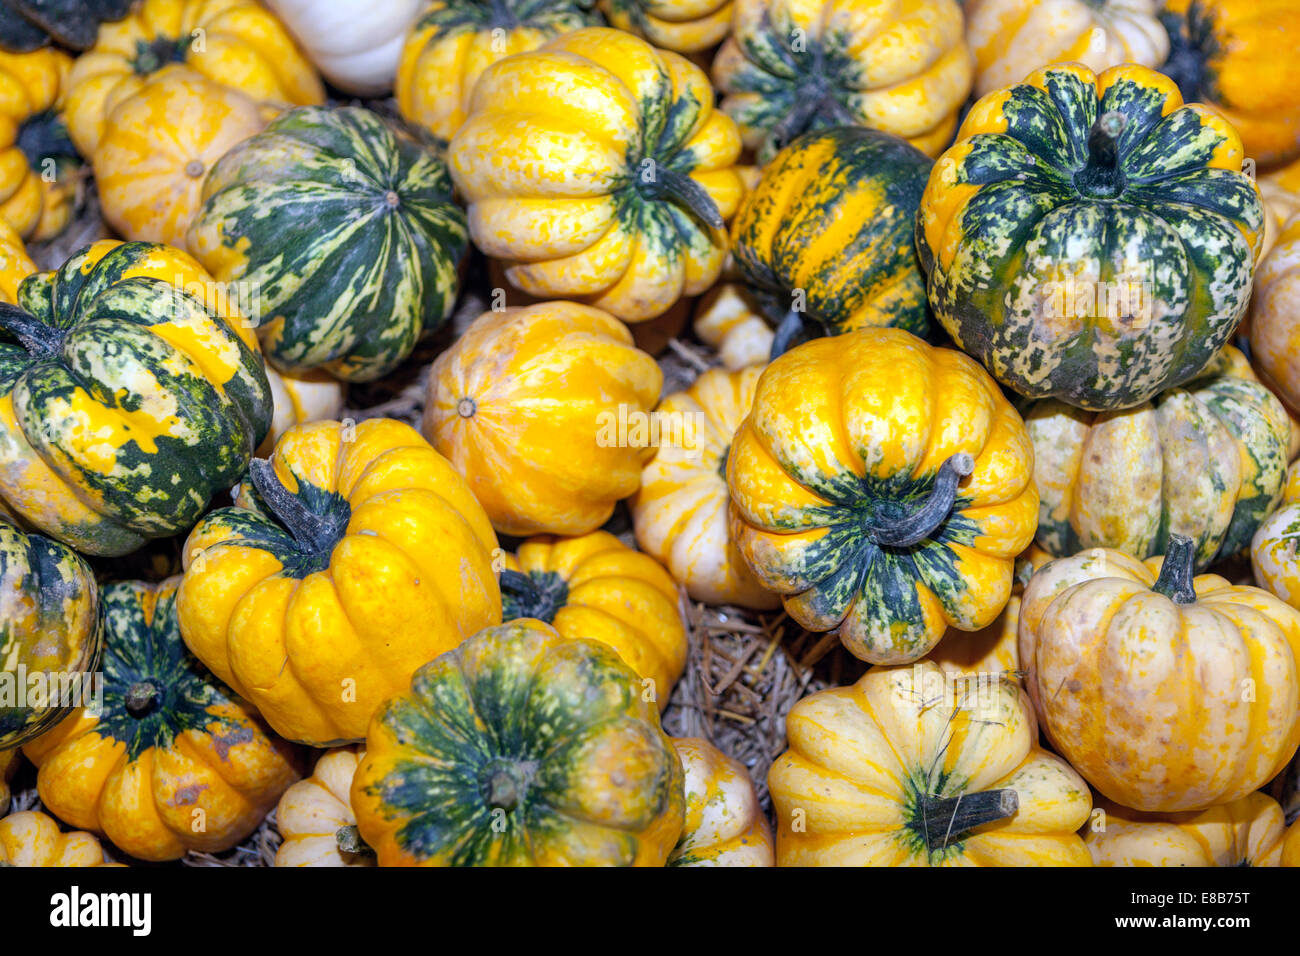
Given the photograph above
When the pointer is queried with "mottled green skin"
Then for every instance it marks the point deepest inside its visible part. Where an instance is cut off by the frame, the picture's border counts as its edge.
(557, 716)
(108, 351)
(454, 17)
(1177, 219)
(29, 24)
(350, 238)
(1193, 48)
(48, 622)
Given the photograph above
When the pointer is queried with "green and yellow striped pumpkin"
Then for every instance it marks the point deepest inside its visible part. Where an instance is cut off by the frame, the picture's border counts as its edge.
(131, 392)
(342, 233)
(1090, 238)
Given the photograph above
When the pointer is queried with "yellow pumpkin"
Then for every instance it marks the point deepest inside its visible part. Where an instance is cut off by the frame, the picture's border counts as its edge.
(1245, 832)
(1275, 317)
(725, 826)
(1166, 693)
(598, 169)
(39, 177)
(31, 838)
(682, 511)
(301, 397)
(1280, 191)
(545, 410)
(687, 26)
(1291, 845)
(595, 587)
(15, 265)
(9, 760)
(315, 817)
(729, 318)
(913, 767)
(234, 43)
(1275, 549)
(992, 650)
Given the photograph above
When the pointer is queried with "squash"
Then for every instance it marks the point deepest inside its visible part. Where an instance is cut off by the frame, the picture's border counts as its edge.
(687, 26)
(355, 43)
(546, 411)
(15, 264)
(315, 816)
(729, 318)
(825, 239)
(1012, 38)
(725, 826)
(9, 761)
(681, 513)
(914, 767)
(346, 231)
(29, 24)
(40, 171)
(788, 68)
(1280, 191)
(617, 197)
(31, 838)
(1206, 461)
(171, 762)
(1230, 54)
(49, 633)
(234, 43)
(300, 397)
(1291, 846)
(595, 587)
(1166, 693)
(454, 41)
(544, 752)
(1246, 832)
(1232, 361)
(352, 556)
(156, 149)
(1275, 317)
(990, 651)
(1275, 547)
(135, 393)
(1101, 276)
(883, 487)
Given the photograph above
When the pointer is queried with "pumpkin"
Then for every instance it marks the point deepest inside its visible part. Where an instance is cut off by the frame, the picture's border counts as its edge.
(825, 239)
(39, 168)
(595, 587)
(135, 393)
(355, 43)
(1207, 461)
(1274, 326)
(234, 43)
(1228, 53)
(1012, 38)
(1291, 846)
(31, 838)
(49, 633)
(1100, 275)
(346, 231)
(15, 264)
(1280, 191)
(681, 513)
(546, 411)
(1274, 548)
(158, 146)
(914, 767)
(28, 24)
(544, 752)
(171, 762)
(315, 816)
(617, 197)
(990, 651)
(1246, 832)
(788, 68)
(352, 556)
(9, 760)
(729, 318)
(687, 26)
(1167, 693)
(454, 41)
(1232, 361)
(725, 826)
(883, 487)
(300, 397)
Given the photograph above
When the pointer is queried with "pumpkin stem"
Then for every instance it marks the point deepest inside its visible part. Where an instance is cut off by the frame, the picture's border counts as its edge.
(687, 192)
(946, 820)
(45, 136)
(792, 124)
(34, 335)
(538, 595)
(1175, 581)
(502, 15)
(1191, 39)
(1101, 176)
(316, 534)
(787, 330)
(503, 791)
(910, 529)
(141, 698)
(349, 840)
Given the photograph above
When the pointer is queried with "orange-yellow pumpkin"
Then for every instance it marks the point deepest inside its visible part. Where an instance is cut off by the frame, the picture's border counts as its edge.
(1245, 832)
(31, 838)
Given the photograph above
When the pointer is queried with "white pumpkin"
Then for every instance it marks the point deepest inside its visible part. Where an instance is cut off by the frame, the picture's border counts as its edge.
(301, 397)
(355, 43)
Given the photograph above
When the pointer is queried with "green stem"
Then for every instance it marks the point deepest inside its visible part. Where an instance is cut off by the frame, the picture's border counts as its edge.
(349, 840)
(905, 531)
(141, 698)
(946, 820)
(790, 328)
(1176, 573)
(34, 335)
(316, 534)
(538, 596)
(687, 192)
(1101, 176)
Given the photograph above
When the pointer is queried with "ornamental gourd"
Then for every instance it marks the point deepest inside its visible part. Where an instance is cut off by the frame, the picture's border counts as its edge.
(681, 514)
(49, 633)
(1207, 461)
(1275, 549)
(454, 41)
(537, 408)
(1164, 692)
(544, 753)
(1229, 54)
(789, 67)
(730, 318)
(9, 761)
(725, 825)
(912, 767)
(169, 745)
(234, 43)
(31, 838)
(29, 24)
(15, 264)
(133, 394)
(1090, 238)
(825, 239)
(1280, 191)
(1275, 317)
(315, 817)
(355, 43)
(618, 196)
(1245, 832)
(352, 556)
(595, 587)
(300, 397)
(883, 487)
(687, 26)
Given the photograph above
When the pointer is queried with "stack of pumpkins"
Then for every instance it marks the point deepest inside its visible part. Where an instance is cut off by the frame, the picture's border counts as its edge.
(980, 413)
